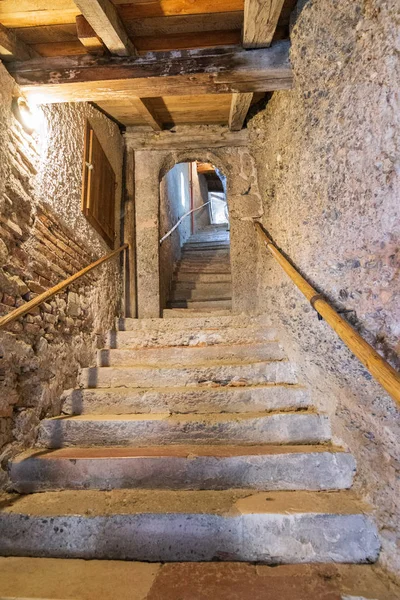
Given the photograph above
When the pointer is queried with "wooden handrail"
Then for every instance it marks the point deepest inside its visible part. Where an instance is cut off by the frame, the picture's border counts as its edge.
(383, 372)
(25, 308)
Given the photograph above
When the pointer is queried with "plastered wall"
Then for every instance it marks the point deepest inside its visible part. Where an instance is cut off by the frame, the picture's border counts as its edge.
(328, 158)
(43, 239)
(174, 202)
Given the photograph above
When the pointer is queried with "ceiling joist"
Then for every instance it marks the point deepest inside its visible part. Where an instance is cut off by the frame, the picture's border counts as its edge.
(105, 21)
(239, 108)
(87, 36)
(260, 20)
(11, 48)
(222, 70)
(144, 108)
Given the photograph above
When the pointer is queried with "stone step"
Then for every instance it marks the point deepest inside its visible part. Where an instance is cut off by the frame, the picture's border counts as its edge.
(217, 288)
(199, 261)
(190, 356)
(206, 258)
(158, 429)
(184, 299)
(241, 374)
(155, 525)
(111, 579)
(196, 278)
(174, 313)
(189, 337)
(194, 271)
(202, 304)
(186, 400)
(200, 295)
(208, 247)
(184, 467)
(214, 320)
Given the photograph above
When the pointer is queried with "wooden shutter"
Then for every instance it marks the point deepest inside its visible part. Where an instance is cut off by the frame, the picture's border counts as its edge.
(98, 188)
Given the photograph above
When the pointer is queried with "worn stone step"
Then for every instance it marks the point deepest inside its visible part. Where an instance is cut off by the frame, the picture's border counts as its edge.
(196, 295)
(198, 262)
(271, 397)
(201, 304)
(184, 467)
(192, 271)
(204, 258)
(174, 313)
(205, 249)
(202, 291)
(139, 430)
(190, 337)
(210, 374)
(191, 320)
(154, 525)
(223, 268)
(196, 278)
(202, 285)
(190, 356)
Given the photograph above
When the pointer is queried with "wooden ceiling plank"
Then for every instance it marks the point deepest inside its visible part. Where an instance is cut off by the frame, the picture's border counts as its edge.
(45, 12)
(239, 108)
(47, 34)
(12, 48)
(52, 50)
(38, 18)
(103, 17)
(218, 70)
(166, 8)
(175, 24)
(260, 21)
(207, 39)
(87, 36)
(144, 108)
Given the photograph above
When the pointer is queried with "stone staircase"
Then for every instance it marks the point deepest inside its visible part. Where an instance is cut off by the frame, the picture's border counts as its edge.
(202, 279)
(192, 440)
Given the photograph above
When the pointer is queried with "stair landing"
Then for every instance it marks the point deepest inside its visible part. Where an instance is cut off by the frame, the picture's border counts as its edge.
(51, 579)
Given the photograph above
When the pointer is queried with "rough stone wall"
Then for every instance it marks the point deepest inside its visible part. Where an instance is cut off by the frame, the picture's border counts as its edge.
(174, 202)
(43, 239)
(328, 157)
(244, 204)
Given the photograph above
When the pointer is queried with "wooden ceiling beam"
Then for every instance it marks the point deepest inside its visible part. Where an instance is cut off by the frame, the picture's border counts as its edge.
(188, 72)
(11, 48)
(144, 108)
(260, 21)
(104, 19)
(187, 138)
(87, 36)
(239, 108)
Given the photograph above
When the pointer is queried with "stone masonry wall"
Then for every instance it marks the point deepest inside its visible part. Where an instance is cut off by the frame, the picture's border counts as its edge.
(44, 238)
(328, 157)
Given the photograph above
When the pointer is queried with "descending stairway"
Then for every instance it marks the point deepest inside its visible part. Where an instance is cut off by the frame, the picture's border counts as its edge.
(190, 441)
(202, 279)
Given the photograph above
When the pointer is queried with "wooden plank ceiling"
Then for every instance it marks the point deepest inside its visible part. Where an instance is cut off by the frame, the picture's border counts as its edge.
(101, 29)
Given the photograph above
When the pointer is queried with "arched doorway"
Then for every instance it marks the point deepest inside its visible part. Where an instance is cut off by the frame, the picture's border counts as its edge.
(194, 238)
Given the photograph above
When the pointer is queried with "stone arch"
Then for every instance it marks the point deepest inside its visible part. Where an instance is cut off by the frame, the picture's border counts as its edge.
(202, 155)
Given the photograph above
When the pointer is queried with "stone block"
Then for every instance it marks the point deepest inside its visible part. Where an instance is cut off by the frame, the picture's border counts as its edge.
(35, 287)
(8, 300)
(73, 305)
